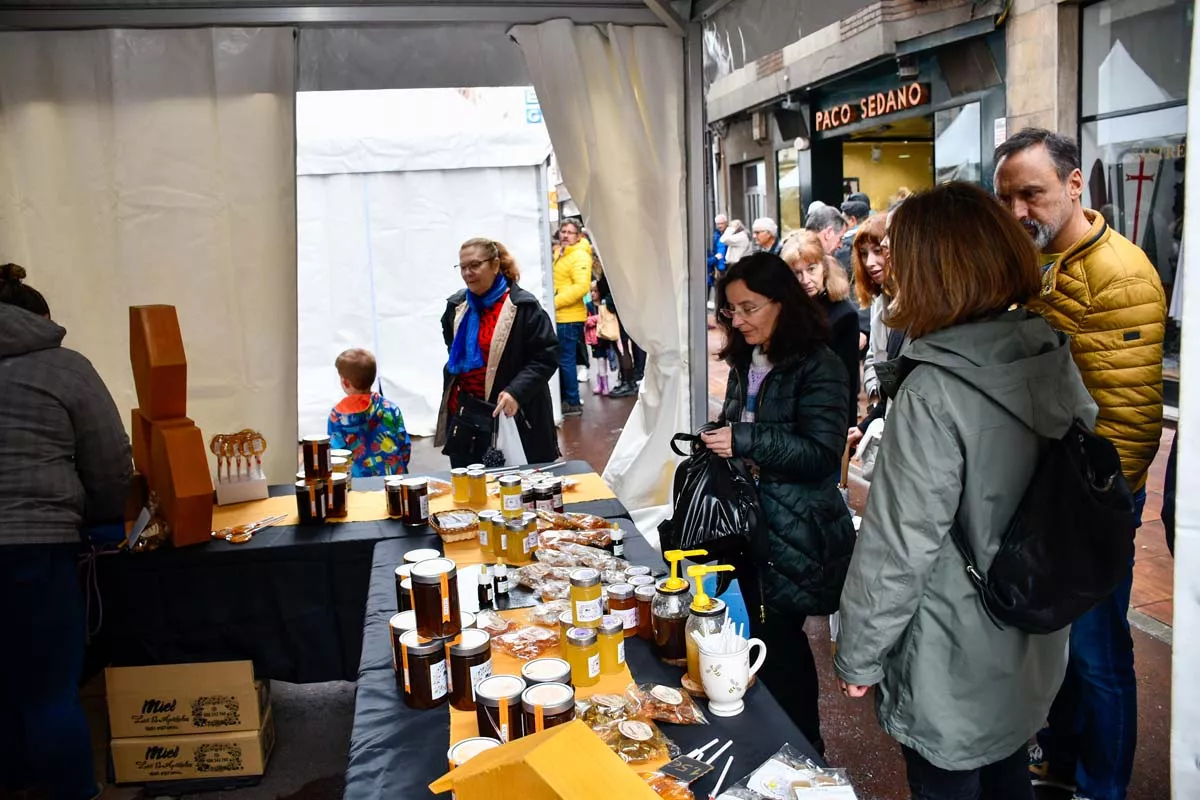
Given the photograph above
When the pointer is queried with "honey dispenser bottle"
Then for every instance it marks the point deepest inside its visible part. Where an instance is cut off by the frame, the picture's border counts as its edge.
(708, 615)
(669, 612)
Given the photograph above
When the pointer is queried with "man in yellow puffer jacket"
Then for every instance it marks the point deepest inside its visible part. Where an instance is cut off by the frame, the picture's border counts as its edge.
(1101, 290)
(572, 282)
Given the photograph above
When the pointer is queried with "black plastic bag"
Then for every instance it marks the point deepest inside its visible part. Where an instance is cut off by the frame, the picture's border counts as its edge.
(715, 504)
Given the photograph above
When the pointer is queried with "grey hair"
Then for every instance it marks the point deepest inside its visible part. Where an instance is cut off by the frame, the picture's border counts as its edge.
(765, 224)
(1063, 150)
(823, 218)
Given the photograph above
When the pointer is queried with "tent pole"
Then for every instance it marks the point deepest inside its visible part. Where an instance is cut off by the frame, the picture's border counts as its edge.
(697, 225)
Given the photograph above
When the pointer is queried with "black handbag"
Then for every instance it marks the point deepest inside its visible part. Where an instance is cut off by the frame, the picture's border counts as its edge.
(472, 432)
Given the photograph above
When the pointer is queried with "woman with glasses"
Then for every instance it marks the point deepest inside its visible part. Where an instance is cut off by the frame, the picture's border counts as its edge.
(503, 350)
(785, 414)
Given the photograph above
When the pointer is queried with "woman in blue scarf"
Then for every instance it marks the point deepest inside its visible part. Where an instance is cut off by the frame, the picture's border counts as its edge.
(503, 350)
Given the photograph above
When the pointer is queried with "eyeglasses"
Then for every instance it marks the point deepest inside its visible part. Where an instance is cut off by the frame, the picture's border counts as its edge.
(729, 312)
(472, 266)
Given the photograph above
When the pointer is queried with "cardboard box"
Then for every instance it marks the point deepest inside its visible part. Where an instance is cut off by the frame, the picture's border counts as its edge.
(567, 762)
(175, 699)
(182, 482)
(158, 360)
(207, 755)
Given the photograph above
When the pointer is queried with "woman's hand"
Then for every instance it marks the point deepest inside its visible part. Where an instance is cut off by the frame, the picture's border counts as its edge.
(854, 436)
(852, 691)
(506, 404)
(719, 441)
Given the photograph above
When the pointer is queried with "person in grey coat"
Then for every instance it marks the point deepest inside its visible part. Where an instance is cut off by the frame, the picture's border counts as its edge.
(65, 469)
(981, 386)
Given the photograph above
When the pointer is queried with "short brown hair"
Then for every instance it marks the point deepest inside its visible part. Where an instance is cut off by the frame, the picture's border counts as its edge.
(802, 247)
(357, 366)
(957, 255)
(870, 234)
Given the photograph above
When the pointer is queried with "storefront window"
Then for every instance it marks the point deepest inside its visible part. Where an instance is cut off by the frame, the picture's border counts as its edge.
(956, 150)
(1135, 54)
(787, 186)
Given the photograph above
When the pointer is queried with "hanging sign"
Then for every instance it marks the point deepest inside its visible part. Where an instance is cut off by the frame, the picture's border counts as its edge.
(879, 104)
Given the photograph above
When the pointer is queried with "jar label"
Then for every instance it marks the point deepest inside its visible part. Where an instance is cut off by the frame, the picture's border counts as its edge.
(504, 542)
(670, 696)
(628, 617)
(609, 700)
(512, 502)
(594, 666)
(621, 652)
(588, 610)
(425, 506)
(483, 537)
(530, 543)
(633, 729)
(618, 549)
(545, 505)
(478, 673)
(438, 682)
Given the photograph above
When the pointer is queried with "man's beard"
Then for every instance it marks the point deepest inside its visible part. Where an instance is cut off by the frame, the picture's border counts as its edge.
(1041, 233)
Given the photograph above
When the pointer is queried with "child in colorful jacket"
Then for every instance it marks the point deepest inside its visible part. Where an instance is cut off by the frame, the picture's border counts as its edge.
(365, 423)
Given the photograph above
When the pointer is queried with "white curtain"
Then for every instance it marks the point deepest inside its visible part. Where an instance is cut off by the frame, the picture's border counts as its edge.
(156, 166)
(612, 99)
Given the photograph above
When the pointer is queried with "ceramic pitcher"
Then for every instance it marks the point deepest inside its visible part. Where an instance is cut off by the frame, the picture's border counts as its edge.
(725, 676)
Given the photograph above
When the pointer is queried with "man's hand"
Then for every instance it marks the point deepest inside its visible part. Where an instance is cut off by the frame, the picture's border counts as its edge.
(852, 691)
(506, 404)
(854, 436)
(719, 441)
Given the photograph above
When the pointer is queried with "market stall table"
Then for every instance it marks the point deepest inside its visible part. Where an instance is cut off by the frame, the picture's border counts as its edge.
(291, 599)
(396, 752)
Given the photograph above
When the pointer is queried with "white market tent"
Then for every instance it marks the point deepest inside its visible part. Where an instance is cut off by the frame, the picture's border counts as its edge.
(388, 184)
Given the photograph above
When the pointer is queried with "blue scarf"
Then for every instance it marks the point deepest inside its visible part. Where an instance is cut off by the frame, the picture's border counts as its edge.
(465, 354)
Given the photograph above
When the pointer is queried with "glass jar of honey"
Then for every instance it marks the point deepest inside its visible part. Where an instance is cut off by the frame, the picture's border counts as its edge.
(556, 492)
(623, 606)
(510, 496)
(547, 705)
(583, 654)
(517, 550)
(338, 464)
(467, 749)
(312, 502)
(704, 621)
(528, 496)
(546, 670)
(670, 612)
(543, 496)
(470, 663)
(398, 625)
(339, 483)
(423, 671)
(633, 572)
(420, 554)
(395, 495)
(460, 485)
(531, 531)
(404, 596)
(314, 451)
(498, 707)
(488, 520)
(610, 637)
(402, 572)
(566, 621)
(416, 502)
(586, 603)
(435, 598)
(644, 597)
(476, 488)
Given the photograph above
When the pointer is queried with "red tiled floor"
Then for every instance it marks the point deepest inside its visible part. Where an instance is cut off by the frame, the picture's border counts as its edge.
(1153, 581)
(1163, 611)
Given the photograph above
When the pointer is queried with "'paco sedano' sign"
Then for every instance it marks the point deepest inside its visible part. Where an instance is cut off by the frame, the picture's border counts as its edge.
(874, 105)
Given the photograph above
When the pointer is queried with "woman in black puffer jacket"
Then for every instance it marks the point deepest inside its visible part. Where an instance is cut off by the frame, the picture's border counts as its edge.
(785, 412)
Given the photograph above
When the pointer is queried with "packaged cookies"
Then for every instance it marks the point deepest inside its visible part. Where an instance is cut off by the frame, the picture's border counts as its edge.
(665, 704)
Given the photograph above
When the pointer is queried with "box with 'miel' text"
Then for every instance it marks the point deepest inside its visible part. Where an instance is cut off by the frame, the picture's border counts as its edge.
(175, 699)
(145, 759)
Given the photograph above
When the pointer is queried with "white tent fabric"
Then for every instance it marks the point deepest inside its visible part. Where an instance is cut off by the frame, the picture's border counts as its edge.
(391, 184)
(613, 102)
(155, 166)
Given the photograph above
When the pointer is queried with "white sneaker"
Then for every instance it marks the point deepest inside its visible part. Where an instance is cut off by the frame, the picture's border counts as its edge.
(581, 373)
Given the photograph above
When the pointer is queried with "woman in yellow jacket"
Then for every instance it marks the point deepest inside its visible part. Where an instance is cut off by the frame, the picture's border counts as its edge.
(572, 282)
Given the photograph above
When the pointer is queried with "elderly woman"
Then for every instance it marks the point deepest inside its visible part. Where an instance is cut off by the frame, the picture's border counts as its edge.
(737, 243)
(503, 351)
(825, 281)
(982, 384)
(64, 469)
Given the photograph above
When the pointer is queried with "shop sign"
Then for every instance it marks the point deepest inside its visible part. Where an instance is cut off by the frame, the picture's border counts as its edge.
(874, 105)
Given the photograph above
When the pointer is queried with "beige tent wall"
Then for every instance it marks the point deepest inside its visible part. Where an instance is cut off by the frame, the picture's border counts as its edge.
(157, 166)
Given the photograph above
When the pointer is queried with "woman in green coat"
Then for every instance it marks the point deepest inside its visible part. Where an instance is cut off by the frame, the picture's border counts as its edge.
(785, 413)
(981, 384)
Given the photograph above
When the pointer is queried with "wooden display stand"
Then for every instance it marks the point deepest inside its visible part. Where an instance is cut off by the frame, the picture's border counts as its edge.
(168, 448)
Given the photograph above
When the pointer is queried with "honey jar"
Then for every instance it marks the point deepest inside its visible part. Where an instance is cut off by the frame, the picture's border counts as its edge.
(476, 488)
(546, 670)
(517, 542)
(644, 596)
(531, 531)
(402, 572)
(638, 581)
(348, 455)
(338, 464)
(633, 572)
(547, 705)
(398, 625)
(423, 671)
(610, 637)
(488, 520)
(460, 486)
(395, 495)
(404, 596)
(467, 749)
(623, 606)
(528, 498)
(586, 605)
(543, 496)
(416, 502)
(314, 451)
(339, 484)
(435, 598)
(556, 493)
(311, 499)
(422, 554)
(566, 621)
(583, 654)
(510, 496)
(470, 663)
(498, 707)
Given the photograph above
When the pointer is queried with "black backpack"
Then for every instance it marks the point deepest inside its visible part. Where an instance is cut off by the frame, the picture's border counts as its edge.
(1070, 542)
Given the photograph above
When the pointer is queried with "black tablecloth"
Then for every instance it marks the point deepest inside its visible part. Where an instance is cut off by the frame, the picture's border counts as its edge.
(396, 752)
(291, 599)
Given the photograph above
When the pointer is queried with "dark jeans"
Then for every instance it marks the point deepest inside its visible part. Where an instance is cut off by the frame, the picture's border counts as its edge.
(790, 671)
(569, 336)
(1004, 780)
(44, 737)
(1092, 730)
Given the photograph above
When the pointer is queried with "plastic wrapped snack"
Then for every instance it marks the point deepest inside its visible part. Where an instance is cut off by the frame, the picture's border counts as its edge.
(554, 558)
(552, 520)
(773, 780)
(637, 741)
(665, 704)
(610, 576)
(532, 576)
(527, 643)
(592, 557)
(667, 787)
(604, 710)
(555, 590)
(824, 784)
(547, 614)
(593, 538)
(493, 623)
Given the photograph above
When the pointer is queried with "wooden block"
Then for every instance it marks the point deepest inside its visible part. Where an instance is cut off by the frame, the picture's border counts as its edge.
(158, 360)
(139, 495)
(142, 427)
(182, 482)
